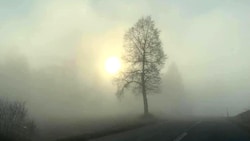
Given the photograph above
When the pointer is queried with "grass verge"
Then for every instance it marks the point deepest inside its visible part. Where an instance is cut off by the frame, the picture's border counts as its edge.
(98, 134)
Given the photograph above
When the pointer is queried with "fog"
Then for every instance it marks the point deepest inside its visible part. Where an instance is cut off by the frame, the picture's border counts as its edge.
(52, 56)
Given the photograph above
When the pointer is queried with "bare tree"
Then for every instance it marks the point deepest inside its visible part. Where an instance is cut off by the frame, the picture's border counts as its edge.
(143, 59)
(14, 121)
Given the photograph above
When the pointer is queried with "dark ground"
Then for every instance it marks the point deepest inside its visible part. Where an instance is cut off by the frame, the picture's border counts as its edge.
(219, 129)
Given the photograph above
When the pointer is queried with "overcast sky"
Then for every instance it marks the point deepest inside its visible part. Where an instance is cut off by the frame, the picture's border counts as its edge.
(207, 39)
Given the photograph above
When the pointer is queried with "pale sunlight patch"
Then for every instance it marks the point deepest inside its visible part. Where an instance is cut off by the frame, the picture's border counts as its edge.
(112, 65)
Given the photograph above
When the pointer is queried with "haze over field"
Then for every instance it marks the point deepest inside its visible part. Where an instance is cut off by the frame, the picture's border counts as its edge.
(53, 53)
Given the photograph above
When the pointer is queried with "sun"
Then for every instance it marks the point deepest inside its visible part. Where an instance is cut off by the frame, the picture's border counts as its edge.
(112, 65)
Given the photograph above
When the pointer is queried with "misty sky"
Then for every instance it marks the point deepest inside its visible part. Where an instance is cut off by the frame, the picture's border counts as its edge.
(208, 40)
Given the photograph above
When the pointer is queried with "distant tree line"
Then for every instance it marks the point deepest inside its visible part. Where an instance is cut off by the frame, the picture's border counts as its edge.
(14, 122)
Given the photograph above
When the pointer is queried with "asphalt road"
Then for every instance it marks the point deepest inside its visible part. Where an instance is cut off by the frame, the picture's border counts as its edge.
(195, 130)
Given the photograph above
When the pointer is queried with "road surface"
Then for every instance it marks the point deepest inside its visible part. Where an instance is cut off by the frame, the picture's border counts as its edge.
(199, 130)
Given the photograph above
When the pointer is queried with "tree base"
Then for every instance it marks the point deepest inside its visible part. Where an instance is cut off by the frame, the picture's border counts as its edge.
(147, 116)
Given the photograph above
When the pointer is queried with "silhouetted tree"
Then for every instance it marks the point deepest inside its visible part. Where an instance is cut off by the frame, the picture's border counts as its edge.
(14, 122)
(172, 81)
(143, 59)
(173, 90)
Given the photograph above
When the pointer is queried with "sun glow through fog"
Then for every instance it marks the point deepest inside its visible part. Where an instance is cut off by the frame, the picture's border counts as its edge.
(112, 65)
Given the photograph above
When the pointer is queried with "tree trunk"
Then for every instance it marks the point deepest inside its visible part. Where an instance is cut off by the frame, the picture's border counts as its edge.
(145, 100)
(144, 92)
